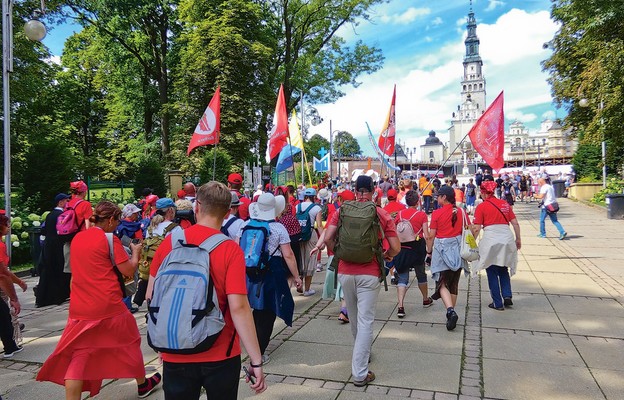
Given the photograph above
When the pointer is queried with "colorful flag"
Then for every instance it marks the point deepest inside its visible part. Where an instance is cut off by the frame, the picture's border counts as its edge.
(294, 137)
(208, 128)
(285, 159)
(386, 138)
(488, 134)
(278, 137)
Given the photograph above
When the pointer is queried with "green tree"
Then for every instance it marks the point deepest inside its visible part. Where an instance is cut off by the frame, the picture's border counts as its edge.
(313, 145)
(587, 161)
(150, 174)
(346, 145)
(223, 166)
(227, 44)
(145, 30)
(311, 59)
(47, 171)
(587, 63)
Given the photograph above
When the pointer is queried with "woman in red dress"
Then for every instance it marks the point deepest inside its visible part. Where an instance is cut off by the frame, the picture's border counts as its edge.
(101, 339)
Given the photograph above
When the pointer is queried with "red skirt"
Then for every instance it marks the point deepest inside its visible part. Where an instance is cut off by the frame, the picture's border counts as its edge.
(93, 350)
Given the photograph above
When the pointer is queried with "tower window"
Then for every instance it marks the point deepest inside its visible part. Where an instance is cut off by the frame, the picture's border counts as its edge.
(464, 88)
(480, 85)
(431, 155)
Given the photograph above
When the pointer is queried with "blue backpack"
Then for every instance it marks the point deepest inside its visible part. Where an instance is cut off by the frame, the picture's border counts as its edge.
(184, 315)
(254, 239)
(304, 220)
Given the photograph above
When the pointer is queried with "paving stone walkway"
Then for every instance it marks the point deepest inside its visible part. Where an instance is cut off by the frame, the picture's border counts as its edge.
(563, 338)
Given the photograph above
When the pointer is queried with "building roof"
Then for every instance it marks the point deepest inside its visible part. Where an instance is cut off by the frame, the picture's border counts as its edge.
(432, 139)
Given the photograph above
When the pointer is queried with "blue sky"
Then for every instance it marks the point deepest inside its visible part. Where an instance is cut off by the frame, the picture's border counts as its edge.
(422, 42)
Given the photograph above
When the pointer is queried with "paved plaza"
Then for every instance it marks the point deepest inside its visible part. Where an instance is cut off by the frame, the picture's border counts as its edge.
(563, 338)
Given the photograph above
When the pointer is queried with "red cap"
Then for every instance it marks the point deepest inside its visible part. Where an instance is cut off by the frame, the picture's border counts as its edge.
(151, 199)
(181, 194)
(236, 179)
(392, 194)
(347, 195)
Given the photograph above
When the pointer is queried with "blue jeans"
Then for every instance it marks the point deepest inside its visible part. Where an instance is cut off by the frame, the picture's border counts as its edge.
(553, 218)
(183, 381)
(128, 302)
(427, 200)
(498, 281)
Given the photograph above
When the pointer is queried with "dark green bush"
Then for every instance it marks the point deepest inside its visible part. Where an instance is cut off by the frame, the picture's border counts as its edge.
(150, 174)
(224, 165)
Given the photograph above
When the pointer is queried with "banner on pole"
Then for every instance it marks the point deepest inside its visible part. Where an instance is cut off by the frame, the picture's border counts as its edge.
(208, 128)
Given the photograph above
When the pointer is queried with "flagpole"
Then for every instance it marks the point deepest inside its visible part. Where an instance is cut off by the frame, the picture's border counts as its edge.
(444, 163)
(214, 162)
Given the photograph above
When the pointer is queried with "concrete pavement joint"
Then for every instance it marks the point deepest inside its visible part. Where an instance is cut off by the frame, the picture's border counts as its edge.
(471, 375)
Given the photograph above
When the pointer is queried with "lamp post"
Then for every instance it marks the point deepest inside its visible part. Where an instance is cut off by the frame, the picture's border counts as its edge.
(35, 30)
(332, 149)
(585, 103)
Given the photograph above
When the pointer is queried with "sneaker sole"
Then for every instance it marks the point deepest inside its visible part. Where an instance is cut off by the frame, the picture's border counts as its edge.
(10, 355)
(144, 395)
(452, 322)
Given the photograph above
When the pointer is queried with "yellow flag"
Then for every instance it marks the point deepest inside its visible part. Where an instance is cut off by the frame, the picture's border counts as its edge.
(295, 138)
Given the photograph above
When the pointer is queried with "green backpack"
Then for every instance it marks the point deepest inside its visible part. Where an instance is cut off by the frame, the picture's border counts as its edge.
(150, 245)
(357, 240)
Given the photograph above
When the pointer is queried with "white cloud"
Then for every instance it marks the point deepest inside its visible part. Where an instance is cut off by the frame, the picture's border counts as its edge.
(428, 82)
(406, 17)
(493, 4)
(520, 116)
(437, 21)
(549, 115)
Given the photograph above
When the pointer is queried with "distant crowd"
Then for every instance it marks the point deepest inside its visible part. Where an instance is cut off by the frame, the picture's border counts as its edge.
(216, 266)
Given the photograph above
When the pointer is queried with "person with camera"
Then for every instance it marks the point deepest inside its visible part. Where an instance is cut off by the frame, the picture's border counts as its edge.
(547, 196)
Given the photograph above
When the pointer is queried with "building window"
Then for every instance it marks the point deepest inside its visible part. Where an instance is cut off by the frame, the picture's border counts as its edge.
(431, 155)
(518, 141)
(464, 88)
(480, 85)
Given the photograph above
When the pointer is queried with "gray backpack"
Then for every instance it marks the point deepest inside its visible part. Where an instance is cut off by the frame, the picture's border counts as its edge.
(184, 315)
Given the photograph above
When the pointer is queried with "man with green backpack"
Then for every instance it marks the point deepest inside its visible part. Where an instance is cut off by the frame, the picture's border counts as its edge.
(361, 236)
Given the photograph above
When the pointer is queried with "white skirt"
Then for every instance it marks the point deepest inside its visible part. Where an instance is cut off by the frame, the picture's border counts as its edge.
(497, 247)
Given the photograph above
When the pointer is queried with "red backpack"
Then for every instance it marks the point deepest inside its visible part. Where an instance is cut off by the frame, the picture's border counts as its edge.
(290, 222)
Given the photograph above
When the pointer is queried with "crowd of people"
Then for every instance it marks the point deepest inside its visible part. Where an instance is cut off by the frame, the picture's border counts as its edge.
(111, 261)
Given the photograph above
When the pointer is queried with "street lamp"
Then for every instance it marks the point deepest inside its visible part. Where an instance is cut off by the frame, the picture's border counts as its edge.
(35, 30)
(585, 103)
(331, 151)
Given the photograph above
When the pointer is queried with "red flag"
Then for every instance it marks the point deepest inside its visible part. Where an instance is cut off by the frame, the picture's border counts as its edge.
(278, 137)
(208, 128)
(488, 134)
(386, 138)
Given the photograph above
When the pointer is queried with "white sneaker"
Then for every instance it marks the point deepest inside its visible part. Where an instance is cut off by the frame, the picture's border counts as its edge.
(265, 359)
(319, 267)
(10, 355)
(310, 292)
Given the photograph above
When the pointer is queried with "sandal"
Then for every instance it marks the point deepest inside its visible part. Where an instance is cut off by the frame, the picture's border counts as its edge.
(343, 317)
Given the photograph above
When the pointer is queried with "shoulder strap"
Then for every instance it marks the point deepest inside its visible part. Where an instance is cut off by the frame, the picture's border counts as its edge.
(499, 210)
(120, 278)
(213, 241)
(229, 223)
(111, 253)
(169, 228)
(177, 238)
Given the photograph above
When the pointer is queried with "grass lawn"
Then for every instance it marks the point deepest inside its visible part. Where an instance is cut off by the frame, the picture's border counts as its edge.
(113, 194)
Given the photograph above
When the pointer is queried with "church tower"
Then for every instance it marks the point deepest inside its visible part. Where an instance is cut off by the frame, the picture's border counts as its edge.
(472, 93)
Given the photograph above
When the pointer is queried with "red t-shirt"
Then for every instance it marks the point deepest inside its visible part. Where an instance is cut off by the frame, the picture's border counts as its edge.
(83, 211)
(243, 209)
(393, 207)
(372, 268)
(486, 213)
(441, 221)
(418, 218)
(95, 289)
(227, 271)
(4, 257)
